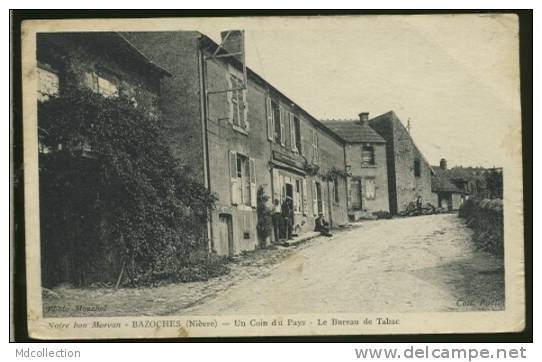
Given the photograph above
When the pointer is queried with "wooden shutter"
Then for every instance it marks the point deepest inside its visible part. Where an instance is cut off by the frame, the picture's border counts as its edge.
(234, 180)
(276, 185)
(270, 123)
(314, 199)
(292, 132)
(304, 191)
(282, 120)
(252, 170)
(316, 146)
(229, 95)
(324, 200)
(301, 150)
(245, 108)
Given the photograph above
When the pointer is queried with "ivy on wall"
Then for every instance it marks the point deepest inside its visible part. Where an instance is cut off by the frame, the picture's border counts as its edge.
(114, 202)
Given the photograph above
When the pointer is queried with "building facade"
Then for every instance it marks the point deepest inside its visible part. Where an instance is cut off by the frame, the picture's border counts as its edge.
(240, 134)
(409, 173)
(365, 158)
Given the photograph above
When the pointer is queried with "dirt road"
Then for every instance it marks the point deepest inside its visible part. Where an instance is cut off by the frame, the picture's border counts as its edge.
(417, 264)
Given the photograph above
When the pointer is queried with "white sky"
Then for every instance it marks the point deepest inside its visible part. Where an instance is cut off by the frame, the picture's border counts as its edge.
(454, 76)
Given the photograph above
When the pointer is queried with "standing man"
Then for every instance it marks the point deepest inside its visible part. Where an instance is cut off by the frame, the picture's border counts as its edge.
(286, 217)
(419, 205)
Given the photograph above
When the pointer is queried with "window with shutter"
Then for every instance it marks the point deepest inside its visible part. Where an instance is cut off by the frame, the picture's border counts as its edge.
(314, 199)
(315, 155)
(234, 179)
(238, 105)
(297, 196)
(323, 201)
(298, 141)
(252, 170)
(293, 135)
(276, 121)
(282, 121)
(304, 196)
(270, 125)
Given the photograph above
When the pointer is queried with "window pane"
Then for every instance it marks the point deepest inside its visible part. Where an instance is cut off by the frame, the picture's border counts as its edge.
(367, 155)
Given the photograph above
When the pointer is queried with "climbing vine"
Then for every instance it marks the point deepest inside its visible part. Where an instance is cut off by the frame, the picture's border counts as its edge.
(113, 198)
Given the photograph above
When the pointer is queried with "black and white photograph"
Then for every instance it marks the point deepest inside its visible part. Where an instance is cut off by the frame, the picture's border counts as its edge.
(273, 176)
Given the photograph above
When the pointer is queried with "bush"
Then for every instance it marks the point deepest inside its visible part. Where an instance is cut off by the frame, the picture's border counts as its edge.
(485, 218)
(115, 204)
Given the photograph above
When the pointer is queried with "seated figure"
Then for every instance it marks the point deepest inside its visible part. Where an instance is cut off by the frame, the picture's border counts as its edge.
(321, 225)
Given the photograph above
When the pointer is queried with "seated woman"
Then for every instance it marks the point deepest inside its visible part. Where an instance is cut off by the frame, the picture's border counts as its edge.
(321, 225)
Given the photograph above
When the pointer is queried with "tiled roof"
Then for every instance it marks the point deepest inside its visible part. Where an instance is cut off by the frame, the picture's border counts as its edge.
(353, 130)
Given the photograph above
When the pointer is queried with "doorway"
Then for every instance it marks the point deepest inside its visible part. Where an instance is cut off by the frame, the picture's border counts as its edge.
(289, 190)
(356, 195)
(319, 198)
(226, 233)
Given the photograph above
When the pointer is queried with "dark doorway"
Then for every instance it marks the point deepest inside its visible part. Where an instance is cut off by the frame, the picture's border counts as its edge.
(357, 199)
(319, 198)
(290, 190)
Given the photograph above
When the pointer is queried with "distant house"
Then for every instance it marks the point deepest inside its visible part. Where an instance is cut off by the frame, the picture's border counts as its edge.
(454, 185)
(365, 157)
(451, 192)
(409, 173)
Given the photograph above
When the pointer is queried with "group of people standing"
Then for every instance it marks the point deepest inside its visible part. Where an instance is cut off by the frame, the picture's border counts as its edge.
(283, 221)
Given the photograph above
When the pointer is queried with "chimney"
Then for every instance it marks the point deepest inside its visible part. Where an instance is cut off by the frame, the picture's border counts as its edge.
(443, 164)
(233, 42)
(364, 117)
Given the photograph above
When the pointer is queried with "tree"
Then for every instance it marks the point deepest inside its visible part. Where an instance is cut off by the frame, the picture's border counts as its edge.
(494, 184)
(112, 195)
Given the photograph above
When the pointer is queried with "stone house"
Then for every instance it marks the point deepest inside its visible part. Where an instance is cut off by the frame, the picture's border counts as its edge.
(409, 173)
(108, 64)
(238, 137)
(365, 157)
(451, 192)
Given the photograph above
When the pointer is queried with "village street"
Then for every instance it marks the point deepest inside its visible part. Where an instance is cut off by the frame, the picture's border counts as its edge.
(414, 264)
(417, 264)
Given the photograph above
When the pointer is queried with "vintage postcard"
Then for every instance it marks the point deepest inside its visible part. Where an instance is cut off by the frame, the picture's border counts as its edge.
(273, 176)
